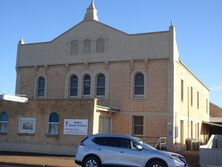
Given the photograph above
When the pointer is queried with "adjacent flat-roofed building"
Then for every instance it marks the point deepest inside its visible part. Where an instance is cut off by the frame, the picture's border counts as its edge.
(142, 87)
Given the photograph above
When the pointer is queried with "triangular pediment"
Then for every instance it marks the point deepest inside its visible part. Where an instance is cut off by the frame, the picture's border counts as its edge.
(89, 28)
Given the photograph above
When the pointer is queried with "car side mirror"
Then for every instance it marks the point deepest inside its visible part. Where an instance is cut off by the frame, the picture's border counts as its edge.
(139, 147)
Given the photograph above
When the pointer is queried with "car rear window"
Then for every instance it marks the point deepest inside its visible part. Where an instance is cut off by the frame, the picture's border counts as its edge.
(113, 142)
(106, 141)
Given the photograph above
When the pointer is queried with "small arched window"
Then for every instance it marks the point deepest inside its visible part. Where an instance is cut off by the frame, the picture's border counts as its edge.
(100, 85)
(139, 84)
(53, 123)
(87, 46)
(3, 122)
(100, 45)
(41, 87)
(86, 84)
(74, 47)
(73, 85)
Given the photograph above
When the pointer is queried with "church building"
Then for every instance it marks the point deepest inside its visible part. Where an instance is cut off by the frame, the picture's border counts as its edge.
(94, 78)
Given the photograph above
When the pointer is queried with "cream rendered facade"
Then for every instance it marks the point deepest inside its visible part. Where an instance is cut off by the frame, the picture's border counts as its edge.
(155, 55)
(191, 106)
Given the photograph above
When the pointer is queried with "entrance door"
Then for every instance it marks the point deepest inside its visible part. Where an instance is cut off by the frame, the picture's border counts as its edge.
(105, 124)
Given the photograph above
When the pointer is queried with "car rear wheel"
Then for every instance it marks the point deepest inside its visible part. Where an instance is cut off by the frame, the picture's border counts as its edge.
(91, 162)
(156, 163)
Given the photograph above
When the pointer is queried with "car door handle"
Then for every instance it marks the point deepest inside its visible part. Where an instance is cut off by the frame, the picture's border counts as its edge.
(121, 152)
(99, 149)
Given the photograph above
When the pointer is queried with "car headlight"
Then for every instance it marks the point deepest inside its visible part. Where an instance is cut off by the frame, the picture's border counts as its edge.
(178, 158)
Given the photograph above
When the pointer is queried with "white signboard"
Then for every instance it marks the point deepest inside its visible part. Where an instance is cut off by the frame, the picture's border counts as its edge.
(14, 98)
(75, 126)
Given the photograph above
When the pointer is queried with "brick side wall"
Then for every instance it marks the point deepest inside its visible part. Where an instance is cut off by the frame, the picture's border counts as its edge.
(215, 111)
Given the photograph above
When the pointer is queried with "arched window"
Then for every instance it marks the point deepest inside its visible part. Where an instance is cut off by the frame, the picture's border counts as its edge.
(139, 84)
(3, 122)
(41, 87)
(100, 45)
(86, 84)
(100, 85)
(73, 85)
(74, 47)
(87, 46)
(53, 123)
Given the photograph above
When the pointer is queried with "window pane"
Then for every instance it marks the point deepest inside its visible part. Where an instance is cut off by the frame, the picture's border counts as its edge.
(73, 85)
(54, 117)
(4, 116)
(53, 123)
(53, 128)
(137, 125)
(41, 87)
(107, 141)
(87, 81)
(138, 130)
(3, 126)
(138, 120)
(139, 84)
(100, 85)
(124, 143)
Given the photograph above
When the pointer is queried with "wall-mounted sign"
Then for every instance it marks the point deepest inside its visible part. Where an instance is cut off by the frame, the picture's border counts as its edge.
(75, 127)
(27, 125)
(14, 98)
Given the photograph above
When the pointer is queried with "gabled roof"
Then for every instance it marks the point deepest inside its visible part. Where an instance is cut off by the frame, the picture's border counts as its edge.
(103, 24)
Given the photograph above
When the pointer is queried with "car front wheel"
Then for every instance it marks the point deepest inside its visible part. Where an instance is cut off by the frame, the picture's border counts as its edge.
(91, 162)
(156, 163)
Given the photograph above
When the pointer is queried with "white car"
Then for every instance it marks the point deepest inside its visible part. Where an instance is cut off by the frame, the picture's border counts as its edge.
(123, 150)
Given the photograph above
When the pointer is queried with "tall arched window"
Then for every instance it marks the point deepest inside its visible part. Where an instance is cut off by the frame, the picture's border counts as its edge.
(74, 47)
(86, 84)
(53, 123)
(73, 85)
(100, 85)
(87, 46)
(41, 87)
(100, 45)
(139, 84)
(3, 122)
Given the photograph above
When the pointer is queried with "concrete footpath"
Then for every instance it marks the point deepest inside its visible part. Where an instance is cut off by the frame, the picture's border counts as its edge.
(8, 159)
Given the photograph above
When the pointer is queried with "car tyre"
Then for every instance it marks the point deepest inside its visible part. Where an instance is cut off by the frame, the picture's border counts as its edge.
(91, 161)
(156, 163)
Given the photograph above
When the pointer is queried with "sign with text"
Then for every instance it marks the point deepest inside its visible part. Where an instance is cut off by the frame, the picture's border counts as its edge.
(75, 126)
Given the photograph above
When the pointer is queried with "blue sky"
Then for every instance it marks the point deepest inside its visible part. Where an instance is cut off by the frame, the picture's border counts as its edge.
(198, 24)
